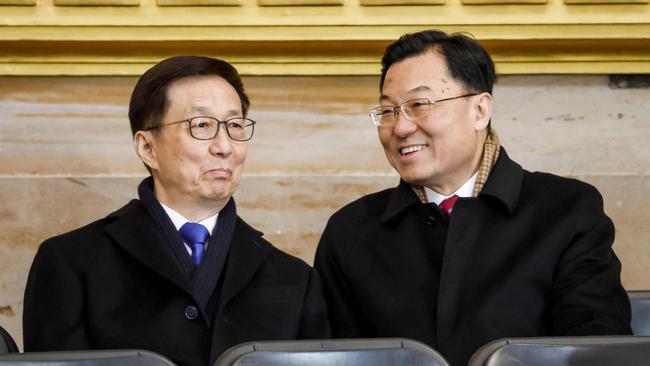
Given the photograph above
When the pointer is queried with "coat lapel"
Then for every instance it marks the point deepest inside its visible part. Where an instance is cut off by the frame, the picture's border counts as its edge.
(402, 197)
(134, 231)
(462, 238)
(247, 253)
(465, 234)
(504, 182)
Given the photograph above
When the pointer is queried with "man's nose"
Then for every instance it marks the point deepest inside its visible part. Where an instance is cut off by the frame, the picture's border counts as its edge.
(221, 144)
(403, 126)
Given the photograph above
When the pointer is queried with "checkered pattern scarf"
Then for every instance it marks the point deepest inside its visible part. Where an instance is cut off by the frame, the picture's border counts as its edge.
(489, 157)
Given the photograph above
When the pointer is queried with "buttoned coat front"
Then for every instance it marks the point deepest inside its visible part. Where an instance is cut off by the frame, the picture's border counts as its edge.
(114, 284)
(530, 256)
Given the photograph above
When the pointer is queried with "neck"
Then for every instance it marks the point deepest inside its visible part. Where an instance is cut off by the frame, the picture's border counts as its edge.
(449, 187)
(194, 213)
(191, 209)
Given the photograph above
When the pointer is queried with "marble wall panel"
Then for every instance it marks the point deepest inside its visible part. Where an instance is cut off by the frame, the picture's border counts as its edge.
(304, 125)
(626, 202)
(564, 124)
(35, 208)
(574, 125)
(66, 126)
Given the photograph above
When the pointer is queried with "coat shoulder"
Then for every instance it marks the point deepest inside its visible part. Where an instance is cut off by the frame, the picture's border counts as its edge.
(283, 258)
(358, 211)
(561, 189)
(351, 225)
(92, 233)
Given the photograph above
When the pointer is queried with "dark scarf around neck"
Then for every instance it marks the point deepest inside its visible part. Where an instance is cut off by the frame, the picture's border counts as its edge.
(205, 277)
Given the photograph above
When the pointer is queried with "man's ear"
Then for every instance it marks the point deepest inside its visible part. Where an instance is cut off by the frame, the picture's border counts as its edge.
(144, 148)
(482, 111)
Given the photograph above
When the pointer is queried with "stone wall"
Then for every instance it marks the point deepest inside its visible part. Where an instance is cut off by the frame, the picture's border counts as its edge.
(67, 157)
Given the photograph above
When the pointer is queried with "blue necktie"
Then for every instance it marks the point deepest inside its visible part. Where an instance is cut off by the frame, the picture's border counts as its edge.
(195, 235)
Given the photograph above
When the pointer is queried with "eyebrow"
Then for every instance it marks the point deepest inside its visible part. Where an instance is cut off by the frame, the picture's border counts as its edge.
(385, 97)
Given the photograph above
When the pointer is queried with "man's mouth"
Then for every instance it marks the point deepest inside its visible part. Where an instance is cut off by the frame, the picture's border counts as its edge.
(222, 172)
(411, 149)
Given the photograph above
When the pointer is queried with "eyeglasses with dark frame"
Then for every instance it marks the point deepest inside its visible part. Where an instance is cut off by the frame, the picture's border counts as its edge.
(207, 128)
(411, 109)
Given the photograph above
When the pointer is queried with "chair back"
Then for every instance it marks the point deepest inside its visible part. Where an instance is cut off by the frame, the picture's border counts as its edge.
(640, 301)
(86, 358)
(7, 344)
(356, 352)
(565, 351)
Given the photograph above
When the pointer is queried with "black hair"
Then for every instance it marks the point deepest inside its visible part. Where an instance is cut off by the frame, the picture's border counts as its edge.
(467, 61)
(149, 98)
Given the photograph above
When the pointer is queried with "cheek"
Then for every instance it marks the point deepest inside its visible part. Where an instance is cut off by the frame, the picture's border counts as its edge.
(450, 129)
(459, 146)
(240, 153)
(192, 161)
(195, 156)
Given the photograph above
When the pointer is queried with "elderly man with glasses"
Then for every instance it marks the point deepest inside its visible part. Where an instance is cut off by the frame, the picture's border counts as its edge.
(469, 247)
(176, 271)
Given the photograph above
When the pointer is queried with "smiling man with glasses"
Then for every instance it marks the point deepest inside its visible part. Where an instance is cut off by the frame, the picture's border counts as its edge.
(176, 271)
(469, 247)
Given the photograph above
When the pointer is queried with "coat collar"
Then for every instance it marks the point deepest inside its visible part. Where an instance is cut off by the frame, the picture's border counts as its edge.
(401, 198)
(503, 183)
(134, 231)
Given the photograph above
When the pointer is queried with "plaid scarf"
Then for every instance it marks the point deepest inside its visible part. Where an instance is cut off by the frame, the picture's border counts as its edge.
(489, 157)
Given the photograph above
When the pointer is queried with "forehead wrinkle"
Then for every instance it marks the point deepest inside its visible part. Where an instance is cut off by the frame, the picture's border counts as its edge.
(207, 111)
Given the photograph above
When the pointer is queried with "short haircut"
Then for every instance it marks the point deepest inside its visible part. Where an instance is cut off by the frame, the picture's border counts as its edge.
(149, 100)
(467, 62)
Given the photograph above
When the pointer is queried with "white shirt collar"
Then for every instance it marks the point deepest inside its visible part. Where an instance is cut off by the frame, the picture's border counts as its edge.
(465, 190)
(180, 220)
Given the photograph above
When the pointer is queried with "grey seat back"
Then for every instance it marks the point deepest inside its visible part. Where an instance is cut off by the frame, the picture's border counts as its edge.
(86, 358)
(565, 351)
(7, 344)
(355, 352)
(640, 301)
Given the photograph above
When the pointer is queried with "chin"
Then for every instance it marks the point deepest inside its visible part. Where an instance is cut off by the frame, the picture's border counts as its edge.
(415, 182)
(217, 195)
(410, 179)
(412, 176)
(221, 195)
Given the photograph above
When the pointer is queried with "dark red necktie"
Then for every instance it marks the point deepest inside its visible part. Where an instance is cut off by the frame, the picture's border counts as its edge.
(447, 205)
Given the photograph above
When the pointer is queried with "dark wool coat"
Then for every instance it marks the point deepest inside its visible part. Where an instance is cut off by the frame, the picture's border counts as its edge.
(115, 284)
(530, 256)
